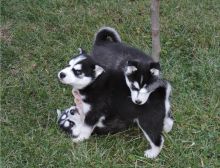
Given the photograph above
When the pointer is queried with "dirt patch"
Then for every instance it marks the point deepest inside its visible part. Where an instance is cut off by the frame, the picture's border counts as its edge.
(5, 34)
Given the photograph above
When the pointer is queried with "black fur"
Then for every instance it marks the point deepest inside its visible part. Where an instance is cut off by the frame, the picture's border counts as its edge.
(109, 96)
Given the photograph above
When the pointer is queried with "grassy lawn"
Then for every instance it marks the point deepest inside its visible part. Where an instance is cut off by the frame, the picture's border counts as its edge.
(39, 37)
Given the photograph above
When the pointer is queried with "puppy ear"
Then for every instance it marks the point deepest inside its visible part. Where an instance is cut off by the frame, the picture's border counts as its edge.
(155, 68)
(130, 67)
(81, 51)
(98, 70)
(155, 72)
(58, 113)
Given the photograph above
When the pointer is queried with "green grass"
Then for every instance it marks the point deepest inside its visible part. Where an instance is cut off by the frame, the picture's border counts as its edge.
(39, 37)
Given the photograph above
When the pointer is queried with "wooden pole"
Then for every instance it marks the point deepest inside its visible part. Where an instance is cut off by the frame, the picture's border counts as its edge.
(155, 28)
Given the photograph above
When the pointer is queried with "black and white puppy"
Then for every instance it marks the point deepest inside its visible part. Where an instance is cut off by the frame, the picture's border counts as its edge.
(106, 102)
(70, 121)
(141, 73)
(139, 69)
(94, 86)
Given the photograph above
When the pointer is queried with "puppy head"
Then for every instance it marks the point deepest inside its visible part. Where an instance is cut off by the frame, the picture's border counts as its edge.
(80, 72)
(138, 77)
(70, 121)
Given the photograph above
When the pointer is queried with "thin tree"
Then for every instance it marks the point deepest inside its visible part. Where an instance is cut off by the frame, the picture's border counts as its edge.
(155, 29)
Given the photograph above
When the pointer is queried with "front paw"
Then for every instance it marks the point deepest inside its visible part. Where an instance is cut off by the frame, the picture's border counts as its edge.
(152, 153)
(85, 132)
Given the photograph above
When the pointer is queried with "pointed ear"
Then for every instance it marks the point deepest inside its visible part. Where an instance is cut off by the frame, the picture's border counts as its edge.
(81, 51)
(98, 70)
(130, 67)
(155, 68)
(58, 113)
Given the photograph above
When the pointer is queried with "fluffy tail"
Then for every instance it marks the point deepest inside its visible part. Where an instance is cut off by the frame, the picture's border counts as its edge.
(107, 34)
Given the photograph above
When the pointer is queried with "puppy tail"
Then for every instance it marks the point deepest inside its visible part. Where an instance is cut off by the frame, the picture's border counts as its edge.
(107, 34)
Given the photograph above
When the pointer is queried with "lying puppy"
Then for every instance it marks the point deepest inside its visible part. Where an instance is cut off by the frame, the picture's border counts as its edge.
(141, 73)
(105, 99)
(70, 121)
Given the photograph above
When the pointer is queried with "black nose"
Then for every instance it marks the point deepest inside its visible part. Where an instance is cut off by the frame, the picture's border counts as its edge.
(62, 75)
(138, 102)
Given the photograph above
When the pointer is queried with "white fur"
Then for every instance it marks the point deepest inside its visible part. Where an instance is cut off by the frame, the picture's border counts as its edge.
(84, 133)
(155, 72)
(76, 118)
(66, 124)
(80, 50)
(155, 150)
(78, 82)
(167, 102)
(58, 113)
(74, 61)
(142, 95)
(71, 79)
(63, 117)
(99, 70)
(136, 85)
(100, 122)
(130, 69)
(127, 82)
(168, 122)
(86, 107)
(78, 67)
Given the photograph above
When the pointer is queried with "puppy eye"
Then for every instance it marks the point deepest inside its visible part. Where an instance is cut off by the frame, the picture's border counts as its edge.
(77, 72)
(72, 112)
(134, 87)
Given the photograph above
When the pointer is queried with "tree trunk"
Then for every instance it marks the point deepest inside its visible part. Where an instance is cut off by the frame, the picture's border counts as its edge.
(155, 26)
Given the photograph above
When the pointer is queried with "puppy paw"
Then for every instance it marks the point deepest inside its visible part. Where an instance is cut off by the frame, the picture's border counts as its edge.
(168, 124)
(152, 153)
(85, 132)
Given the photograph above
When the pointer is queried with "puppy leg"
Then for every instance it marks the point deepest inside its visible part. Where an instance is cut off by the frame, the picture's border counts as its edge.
(155, 139)
(168, 120)
(91, 121)
(85, 132)
(168, 123)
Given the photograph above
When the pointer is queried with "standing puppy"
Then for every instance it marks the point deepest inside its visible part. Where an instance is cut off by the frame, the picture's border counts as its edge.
(141, 73)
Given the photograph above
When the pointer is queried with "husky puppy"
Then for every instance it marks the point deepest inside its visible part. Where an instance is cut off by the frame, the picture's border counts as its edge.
(139, 69)
(141, 73)
(96, 88)
(107, 103)
(70, 121)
